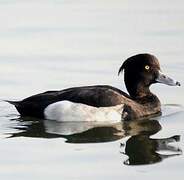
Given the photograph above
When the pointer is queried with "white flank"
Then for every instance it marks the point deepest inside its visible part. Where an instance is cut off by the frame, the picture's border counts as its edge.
(68, 111)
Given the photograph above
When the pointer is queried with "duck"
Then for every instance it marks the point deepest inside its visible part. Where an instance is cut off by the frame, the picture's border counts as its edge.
(103, 103)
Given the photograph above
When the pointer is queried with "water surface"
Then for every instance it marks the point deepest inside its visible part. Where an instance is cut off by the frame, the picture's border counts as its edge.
(50, 45)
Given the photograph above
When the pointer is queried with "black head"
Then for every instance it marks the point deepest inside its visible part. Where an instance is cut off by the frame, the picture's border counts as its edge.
(140, 71)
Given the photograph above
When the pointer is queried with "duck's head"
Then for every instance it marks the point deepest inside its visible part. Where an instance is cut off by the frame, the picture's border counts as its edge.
(142, 70)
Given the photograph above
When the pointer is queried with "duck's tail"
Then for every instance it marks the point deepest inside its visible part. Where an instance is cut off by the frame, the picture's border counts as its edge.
(15, 103)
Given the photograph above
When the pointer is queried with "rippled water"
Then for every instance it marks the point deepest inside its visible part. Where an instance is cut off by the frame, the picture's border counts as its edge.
(58, 44)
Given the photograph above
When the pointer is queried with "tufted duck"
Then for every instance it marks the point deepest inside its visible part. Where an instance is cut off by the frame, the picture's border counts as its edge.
(103, 102)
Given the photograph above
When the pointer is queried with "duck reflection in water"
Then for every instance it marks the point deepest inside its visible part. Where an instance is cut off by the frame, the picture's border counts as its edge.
(140, 148)
(73, 132)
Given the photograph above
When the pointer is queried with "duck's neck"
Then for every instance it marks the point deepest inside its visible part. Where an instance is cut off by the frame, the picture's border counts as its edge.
(138, 90)
(141, 93)
(148, 103)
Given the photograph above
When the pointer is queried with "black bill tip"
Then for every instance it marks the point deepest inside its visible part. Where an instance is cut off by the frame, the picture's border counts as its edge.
(178, 83)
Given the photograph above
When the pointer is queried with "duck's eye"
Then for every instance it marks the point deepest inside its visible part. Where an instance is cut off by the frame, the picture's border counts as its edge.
(147, 67)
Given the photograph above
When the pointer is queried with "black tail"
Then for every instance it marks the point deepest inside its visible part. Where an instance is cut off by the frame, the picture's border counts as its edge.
(15, 103)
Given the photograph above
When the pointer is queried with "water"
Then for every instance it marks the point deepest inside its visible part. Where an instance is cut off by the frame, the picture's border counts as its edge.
(58, 44)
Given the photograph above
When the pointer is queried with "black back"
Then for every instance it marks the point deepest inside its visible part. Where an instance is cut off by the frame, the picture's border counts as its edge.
(98, 96)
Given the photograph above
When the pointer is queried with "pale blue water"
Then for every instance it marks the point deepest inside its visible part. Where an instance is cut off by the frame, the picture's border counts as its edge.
(48, 45)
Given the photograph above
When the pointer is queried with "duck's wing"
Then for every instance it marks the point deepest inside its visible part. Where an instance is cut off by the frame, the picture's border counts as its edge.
(97, 96)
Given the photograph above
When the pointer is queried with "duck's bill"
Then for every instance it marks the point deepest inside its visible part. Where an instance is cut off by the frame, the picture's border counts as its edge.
(162, 78)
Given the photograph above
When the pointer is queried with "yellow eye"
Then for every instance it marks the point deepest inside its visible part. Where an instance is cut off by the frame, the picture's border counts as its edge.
(147, 67)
